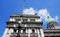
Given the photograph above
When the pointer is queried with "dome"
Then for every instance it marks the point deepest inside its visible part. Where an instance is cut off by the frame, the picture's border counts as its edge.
(50, 20)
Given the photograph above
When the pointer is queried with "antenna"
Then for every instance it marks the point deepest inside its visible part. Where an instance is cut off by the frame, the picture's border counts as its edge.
(23, 5)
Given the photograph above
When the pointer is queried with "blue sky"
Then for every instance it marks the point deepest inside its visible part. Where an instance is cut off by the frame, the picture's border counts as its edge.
(8, 7)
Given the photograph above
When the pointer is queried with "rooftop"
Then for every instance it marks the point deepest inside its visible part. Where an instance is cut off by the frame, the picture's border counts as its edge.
(25, 15)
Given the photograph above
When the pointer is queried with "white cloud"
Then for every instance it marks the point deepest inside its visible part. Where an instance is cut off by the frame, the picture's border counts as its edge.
(43, 13)
(56, 18)
(29, 11)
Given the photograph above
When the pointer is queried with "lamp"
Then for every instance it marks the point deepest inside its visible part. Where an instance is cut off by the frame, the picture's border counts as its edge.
(19, 29)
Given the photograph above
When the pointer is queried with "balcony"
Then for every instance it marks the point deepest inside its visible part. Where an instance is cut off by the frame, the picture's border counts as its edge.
(25, 34)
(33, 34)
(51, 30)
(52, 34)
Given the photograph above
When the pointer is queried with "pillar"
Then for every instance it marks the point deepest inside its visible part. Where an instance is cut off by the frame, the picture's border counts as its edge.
(5, 33)
(28, 32)
(42, 33)
(38, 32)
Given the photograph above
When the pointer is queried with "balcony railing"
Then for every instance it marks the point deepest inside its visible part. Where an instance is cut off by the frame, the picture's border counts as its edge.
(52, 34)
(33, 34)
(24, 34)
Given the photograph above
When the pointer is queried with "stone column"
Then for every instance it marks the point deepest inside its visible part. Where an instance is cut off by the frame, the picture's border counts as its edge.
(42, 33)
(10, 31)
(5, 33)
(38, 32)
(28, 32)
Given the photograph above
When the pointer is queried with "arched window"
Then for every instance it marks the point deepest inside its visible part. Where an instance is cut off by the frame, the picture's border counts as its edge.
(14, 30)
(33, 31)
(24, 31)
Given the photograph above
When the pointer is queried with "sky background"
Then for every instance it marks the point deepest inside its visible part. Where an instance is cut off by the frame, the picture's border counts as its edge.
(8, 7)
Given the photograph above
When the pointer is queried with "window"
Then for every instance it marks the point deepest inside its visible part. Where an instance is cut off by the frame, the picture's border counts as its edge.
(12, 19)
(24, 31)
(32, 20)
(18, 19)
(14, 30)
(37, 20)
(25, 20)
(33, 31)
(51, 26)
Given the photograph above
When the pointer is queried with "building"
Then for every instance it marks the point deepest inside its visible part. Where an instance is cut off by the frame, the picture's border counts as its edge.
(24, 26)
(53, 29)
(29, 26)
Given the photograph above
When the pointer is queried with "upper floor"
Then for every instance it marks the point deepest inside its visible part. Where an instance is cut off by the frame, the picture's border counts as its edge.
(25, 18)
